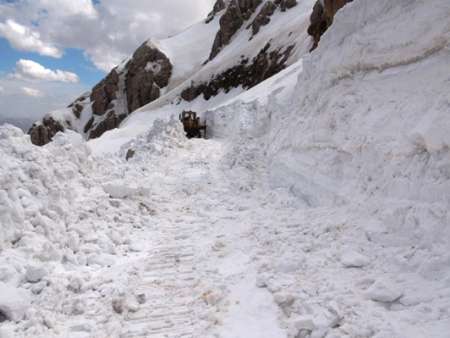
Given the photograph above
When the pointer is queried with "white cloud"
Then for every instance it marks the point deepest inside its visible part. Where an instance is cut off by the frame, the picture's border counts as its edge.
(2, 89)
(28, 69)
(23, 38)
(15, 102)
(68, 7)
(107, 32)
(32, 92)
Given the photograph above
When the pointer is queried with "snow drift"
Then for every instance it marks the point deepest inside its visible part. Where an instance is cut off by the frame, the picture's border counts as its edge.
(335, 174)
(365, 131)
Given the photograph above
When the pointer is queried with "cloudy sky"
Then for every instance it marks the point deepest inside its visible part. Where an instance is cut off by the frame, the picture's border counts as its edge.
(53, 50)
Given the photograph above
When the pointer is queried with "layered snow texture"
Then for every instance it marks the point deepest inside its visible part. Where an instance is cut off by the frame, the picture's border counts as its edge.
(319, 207)
(363, 142)
(74, 238)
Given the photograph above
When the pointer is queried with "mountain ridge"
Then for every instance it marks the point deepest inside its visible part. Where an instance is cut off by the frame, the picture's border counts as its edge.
(240, 44)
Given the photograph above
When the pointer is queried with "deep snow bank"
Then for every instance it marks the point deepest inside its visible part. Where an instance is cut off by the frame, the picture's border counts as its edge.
(67, 222)
(369, 119)
(363, 139)
(38, 186)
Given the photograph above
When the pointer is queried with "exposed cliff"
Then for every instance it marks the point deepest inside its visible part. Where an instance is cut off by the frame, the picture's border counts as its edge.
(239, 45)
(135, 83)
(322, 17)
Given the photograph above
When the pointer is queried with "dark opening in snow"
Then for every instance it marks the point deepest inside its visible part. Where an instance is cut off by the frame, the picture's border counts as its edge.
(3, 317)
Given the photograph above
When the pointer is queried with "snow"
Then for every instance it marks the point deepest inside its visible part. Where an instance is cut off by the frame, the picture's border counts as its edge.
(34, 274)
(118, 190)
(252, 314)
(353, 259)
(188, 50)
(318, 206)
(154, 67)
(13, 302)
(384, 292)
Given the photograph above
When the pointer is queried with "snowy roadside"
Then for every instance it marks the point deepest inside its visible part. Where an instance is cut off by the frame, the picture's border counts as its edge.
(320, 207)
(188, 239)
(141, 248)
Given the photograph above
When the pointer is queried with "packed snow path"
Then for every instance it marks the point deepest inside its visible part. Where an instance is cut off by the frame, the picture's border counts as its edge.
(198, 253)
(161, 248)
(187, 239)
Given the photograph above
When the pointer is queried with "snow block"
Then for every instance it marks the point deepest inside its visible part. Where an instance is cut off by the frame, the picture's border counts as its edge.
(353, 259)
(384, 292)
(13, 302)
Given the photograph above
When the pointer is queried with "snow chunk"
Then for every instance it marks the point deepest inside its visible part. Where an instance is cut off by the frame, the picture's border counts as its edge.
(122, 191)
(305, 323)
(9, 131)
(353, 259)
(13, 302)
(384, 291)
(6, 332)
(34, 274)
(102, 260)
(154, 67)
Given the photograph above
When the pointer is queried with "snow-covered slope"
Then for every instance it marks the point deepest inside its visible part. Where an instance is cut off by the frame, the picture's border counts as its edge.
(318, 206)
(240, 44)
(363, 142)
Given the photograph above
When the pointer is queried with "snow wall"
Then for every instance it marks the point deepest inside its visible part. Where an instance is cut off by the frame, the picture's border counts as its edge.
(367, 122)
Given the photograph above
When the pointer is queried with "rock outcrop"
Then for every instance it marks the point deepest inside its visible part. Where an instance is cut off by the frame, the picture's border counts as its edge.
(147, 74)
(267, 10)
(104, 93)
(237, 12)
(286, 4)
(247, 74)
(121, 92)
(219, 6)
(263, 17)
(148, 71)
(42, 133)
(124, 91)
(322, 17)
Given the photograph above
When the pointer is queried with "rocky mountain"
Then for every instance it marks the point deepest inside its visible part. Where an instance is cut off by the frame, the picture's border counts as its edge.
(239, 45)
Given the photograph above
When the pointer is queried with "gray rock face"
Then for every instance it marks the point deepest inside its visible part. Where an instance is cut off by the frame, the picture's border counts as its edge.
(42, 133)
(267, 10)
(141, 80)
(247, 74)
(111, 121)
(138, 83)
(143, 76)
(263, 17)
(322, 18)
(286, 4)
(104, 93)
(237, 12)
(218, 6)
(148, 71)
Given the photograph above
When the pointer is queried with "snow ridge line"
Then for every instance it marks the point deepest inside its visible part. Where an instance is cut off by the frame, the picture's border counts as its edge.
(367, 68)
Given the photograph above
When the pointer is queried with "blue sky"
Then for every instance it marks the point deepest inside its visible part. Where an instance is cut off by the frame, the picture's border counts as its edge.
(73, 60)
(51, 51)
